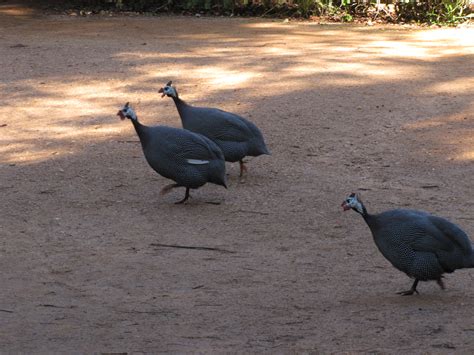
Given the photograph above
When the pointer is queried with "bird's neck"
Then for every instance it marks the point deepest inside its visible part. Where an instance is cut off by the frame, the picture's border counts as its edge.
(371, 222)
(140, 129)
(365, 214)
(181, 106)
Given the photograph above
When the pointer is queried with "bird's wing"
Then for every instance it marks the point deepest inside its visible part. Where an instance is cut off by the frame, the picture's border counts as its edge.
(196, 149)
(434, 234)
(225, 126)
(427, 241)
(416, 230)
(452, 234)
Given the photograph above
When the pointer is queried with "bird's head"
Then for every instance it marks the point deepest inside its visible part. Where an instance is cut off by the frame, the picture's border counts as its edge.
(353, 202)
(127, 112)
(168, 90)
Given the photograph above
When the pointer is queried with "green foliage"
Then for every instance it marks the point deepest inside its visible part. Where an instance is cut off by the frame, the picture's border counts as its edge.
(452, 11)
(307, 8)
(434, 11)
(430, 11)
(347, 18)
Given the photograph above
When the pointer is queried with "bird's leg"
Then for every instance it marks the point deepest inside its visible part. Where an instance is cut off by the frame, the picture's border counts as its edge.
(441, 283)
(186, 196)
(168, 188)
(243, 168)
(411, 291)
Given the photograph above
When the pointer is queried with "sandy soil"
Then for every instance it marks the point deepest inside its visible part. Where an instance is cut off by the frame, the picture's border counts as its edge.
(384, 111)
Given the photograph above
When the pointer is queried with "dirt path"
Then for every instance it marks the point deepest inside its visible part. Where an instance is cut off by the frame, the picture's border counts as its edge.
(386, 112)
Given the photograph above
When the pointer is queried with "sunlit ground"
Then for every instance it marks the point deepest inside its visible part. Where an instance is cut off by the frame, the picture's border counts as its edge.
(15, 10)
(50, 109)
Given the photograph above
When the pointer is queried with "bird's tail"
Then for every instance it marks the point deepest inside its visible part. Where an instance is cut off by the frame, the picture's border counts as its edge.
(265, 150)
(258, 147)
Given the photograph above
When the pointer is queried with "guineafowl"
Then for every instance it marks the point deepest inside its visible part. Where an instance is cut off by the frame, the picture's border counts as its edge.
(421, 245)
(188, 158)
(236, 136)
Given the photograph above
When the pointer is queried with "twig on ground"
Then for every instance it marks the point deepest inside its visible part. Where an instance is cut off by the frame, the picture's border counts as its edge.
(55, 306)
(190, 247)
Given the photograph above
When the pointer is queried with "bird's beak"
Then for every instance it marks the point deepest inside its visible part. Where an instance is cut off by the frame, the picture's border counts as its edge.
(345, 206)
(162, 92)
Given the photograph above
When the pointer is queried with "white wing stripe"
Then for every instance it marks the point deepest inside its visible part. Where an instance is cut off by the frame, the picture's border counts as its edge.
(197, 161)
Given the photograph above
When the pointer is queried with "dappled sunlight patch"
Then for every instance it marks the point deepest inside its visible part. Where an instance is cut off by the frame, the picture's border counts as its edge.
(279, 58)
(164, 57)
(343, 82)
(426, 44)
(281, 51)
(465, 156)
(266, 24)
(398, 49)
(224, 77)
(450, 36)
(29, 151)
(83, 95)
(357, 72)
(41, 141)
(15, 10)
(61, 119)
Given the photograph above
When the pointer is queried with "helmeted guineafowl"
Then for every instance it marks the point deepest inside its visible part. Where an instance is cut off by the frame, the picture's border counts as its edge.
(188, 158)
(236, 136)
(421, 245)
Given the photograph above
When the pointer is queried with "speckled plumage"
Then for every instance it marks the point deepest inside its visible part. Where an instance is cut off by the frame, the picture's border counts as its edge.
(235, 135)
(421, 245)
(189, 159)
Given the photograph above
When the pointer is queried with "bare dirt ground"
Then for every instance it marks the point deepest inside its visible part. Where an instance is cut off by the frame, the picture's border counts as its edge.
(384, 111)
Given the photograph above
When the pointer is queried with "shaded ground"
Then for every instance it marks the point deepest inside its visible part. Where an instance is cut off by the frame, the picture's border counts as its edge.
(383, 111)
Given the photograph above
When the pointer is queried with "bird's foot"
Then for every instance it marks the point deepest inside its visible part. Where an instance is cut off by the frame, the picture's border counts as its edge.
(441, 284)
(408, 293)
(186, 197)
